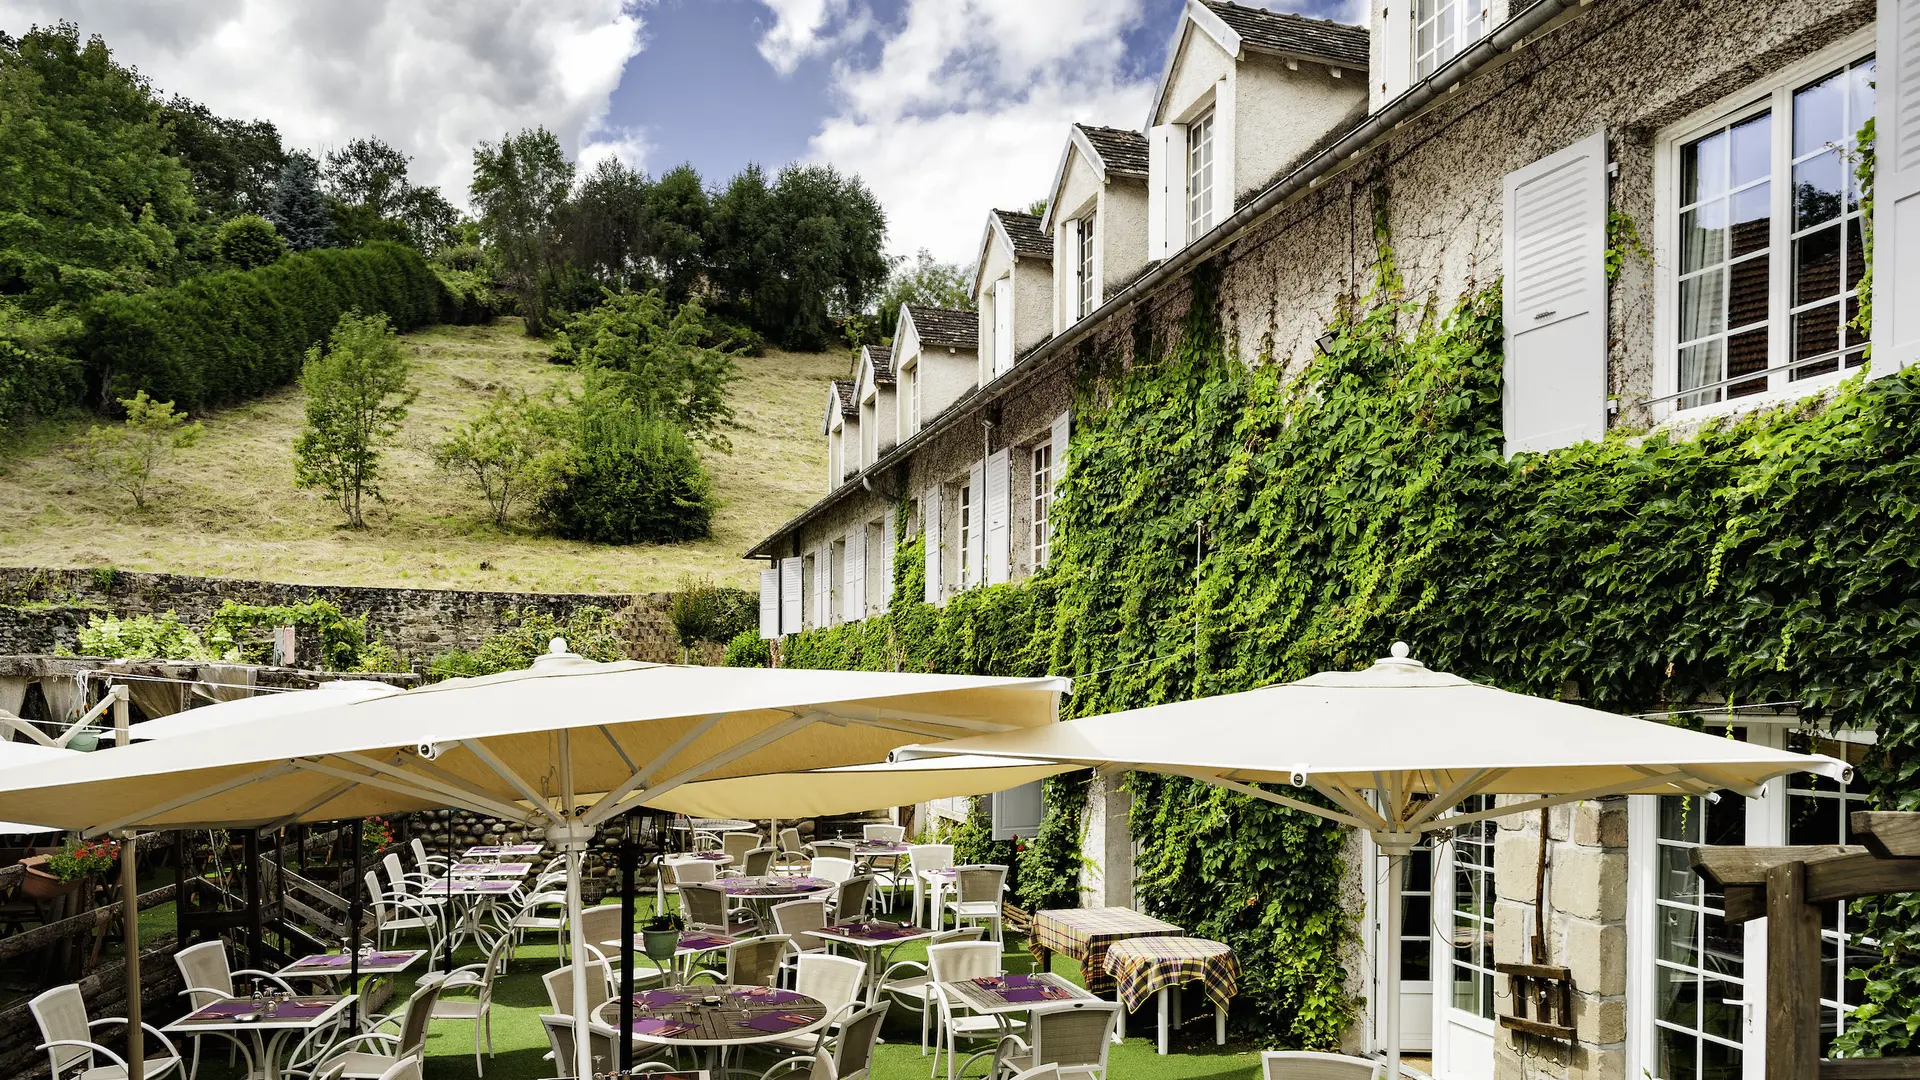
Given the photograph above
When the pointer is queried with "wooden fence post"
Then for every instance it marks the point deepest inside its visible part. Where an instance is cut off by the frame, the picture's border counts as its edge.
(1793, 955)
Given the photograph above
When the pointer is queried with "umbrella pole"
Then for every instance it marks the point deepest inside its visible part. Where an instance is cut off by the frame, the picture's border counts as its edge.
(626, 943)
(354, 914)
(573, 836)
(1396, 865)
(130, 909)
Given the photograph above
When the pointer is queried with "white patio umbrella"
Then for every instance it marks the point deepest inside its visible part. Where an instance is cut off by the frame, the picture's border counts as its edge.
(1394, 747)
(28, 753)
(845, 790)
(568, 743)
(280, 705)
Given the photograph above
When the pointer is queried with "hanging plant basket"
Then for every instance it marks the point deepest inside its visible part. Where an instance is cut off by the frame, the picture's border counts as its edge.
(40, 885)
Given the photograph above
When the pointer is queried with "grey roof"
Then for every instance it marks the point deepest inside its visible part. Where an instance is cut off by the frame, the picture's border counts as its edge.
(1121, 151)
(1029, 240)
(946, 326)
(882, 358)
(1279, 31)
(848, 407)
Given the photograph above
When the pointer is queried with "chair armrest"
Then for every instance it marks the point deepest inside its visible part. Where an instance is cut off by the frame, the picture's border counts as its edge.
(172, 1050)
(787, 1063)
(93, 1046)
(206, 990)
(258, 974)
(717, 977)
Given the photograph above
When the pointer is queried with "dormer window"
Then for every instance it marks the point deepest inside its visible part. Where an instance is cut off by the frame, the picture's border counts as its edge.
(1441, 28)
(1083, 284)
(1200, 176)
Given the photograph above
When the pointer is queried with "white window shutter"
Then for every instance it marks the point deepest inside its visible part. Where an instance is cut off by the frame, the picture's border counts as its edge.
(1061, 431)
(882, 602)
(1896, 189)
(790, 585)
(1396, 48)
(770, 602)
(1002, 324)
(823, 586)
(999, 517)
(1092, 236)
(1016, 812)
(1555, 298)
(1065, 285)
(976, 531)
(855, 593)
(930, 531)
(1166, 189)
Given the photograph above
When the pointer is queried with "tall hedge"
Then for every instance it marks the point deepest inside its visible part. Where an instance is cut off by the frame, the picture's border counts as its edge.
(233, 335)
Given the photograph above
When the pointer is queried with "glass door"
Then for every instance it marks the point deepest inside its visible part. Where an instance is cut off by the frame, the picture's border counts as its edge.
(1817, 813)
(1463, 950)
(1700, 1015)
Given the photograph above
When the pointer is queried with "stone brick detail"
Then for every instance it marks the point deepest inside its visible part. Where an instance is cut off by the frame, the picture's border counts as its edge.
(42, 610)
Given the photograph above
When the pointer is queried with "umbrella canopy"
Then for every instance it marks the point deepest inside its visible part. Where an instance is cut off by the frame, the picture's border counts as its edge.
(28, 753)
(259, 707)
(528, 745)
(856, 787)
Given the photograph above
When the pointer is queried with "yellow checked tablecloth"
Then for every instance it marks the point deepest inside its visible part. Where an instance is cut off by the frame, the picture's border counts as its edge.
(1085, 934)
(1144, 966)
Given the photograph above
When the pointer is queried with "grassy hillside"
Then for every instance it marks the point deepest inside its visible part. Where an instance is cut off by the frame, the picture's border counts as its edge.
(228, 506)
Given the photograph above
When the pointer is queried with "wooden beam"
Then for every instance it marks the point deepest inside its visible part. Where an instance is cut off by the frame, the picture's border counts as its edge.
(1851, 877)
(1880, 1068)
(1728, 866)
(1890, 834)
(1793, 976)
(83, 923)
(1746, 903)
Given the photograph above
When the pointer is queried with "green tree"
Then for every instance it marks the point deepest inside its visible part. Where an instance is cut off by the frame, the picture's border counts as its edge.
(606, 226)
(634, 351)
(925, 280)
(675, 228)
(297, 208)
(368, 173)
(627, 477)
(520, 188)
(357, 396)
(126, 456)
(233, 163)
(432, 223)
(247, 241)
(505, 451)
(92, 199)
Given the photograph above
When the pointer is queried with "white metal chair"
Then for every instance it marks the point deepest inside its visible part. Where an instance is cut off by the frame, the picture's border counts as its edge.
(883, 834)
(204, 971)
(908, 981)
(753, 961)
(408, 884)
(1073, 1037)
(369, 1056)
(543, 910)
(559, 983)
(831, 867)
(602, 923)
(793, 853)
(848, 1053)
(957, 962)
(737, 844)
(833, 849)
(757, 862)
(560, 1038)
(427, 866)
(396, 913)
(851, 897)
(1313, 1065)
(978, 894)
(921, 860)
(467, 994)
(798, 919)
(65, 1034)
(835, 982)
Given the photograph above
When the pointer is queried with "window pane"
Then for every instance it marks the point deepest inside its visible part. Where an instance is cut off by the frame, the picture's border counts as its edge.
(1677, 1054)
(1747, 296)
(1723, 948)
(1703, 236)
(1703, 168)
(1703, 305)
(1752, 152)
(1816, 265)
(1818, 185)
(1747, 353)
(1815, 333)
(1752, 219)
(1717, 1017)
(1856, 255)
(1679, 935)
(1677, 879)
(1415, 959)
(1677, 996)
(1719, 1061)
(1820, 115)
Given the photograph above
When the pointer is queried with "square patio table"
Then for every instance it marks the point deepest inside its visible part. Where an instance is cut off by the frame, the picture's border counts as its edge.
(871, 938)
(1015, 993)
(515, 870)
(502, 851)
(339, 965)
(467, 886)
(299, 1016)
(1085, 934)
(1146, 966)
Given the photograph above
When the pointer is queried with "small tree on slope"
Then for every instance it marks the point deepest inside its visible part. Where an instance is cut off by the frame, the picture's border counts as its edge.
(357, 397)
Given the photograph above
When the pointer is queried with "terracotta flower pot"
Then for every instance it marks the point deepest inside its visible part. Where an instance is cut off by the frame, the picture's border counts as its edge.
(40, 885)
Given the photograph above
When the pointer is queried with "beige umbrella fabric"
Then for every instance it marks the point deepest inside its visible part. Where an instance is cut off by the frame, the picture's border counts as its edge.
(1397, 745)
(280, 704)
(853, 788)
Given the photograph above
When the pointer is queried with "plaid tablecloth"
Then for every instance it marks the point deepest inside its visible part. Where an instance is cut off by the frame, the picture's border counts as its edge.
(1143, 966)
(1085, 934)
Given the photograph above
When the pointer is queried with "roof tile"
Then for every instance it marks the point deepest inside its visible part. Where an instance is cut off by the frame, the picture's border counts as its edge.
(954, 327)
(1029, 240)
(1279, 31)
(1121, 150)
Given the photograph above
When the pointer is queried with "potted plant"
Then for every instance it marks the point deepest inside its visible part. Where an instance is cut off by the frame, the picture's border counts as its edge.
(64, 871)
(660, 938)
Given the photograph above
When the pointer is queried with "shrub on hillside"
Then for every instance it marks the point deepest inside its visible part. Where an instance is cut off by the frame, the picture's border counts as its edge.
(233, 335)
(659, 360)
(125, 456)
(248, 241)
(357, 396)
(506, 452)
(627, 478)
(703, 611)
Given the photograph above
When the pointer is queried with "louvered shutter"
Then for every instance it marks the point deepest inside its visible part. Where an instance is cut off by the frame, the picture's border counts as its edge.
(1556, 298)
(1002, 324)
(930, 530)
(999, 509)
(884, 601)
(1016, 812)
(823, 586)
(1066, 270)
(790, 586)
(976, 529)
(770, 602)
(1061, 432)
(1896, 188)
(855, 591)
(1166, 189)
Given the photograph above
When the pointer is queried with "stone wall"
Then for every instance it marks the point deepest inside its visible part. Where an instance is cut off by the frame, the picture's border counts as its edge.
(1586, 930)
(41, 609)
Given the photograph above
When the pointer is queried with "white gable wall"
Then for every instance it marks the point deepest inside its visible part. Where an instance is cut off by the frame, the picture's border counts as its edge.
(1279, 114)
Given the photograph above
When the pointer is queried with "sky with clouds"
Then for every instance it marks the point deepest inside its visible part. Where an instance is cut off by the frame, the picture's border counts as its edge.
(944, 107)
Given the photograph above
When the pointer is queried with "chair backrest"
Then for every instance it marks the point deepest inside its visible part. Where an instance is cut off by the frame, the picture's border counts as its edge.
(835, 980)
(559, 984)
(758, 862)
(396, 874)
(419, 854)
(374, 892)
(930, 856)
(850, 899)
(1313, 1065)
(413, 1023)
(704, 905)
(830, 867)
(737, 844)
(601, 923)
(960, 960)
(693, 870)
(964, 933)
(407, 1068)
(833, 849)
(796, 918)
(883, 834)
(1074, 1034)
(790, 840)
(560, 1039)
(62, 1014)
(206, 965)
(755, 961)
(853, 1053)
(980, 884)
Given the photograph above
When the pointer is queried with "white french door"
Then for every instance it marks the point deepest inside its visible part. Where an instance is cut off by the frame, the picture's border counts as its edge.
(1463, 1012)
(1416, 946)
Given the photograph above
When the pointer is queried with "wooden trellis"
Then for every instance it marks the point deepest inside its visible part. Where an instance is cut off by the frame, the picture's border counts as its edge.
(1788, 886)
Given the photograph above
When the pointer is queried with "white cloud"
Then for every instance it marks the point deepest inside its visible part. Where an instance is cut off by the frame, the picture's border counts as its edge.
(806, 28)
(627, 145)
(431, 77)
(965, 106)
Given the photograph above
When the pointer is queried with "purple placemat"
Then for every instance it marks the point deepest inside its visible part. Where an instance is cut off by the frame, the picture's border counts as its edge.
(693, 939)
(1022, 994)
(775, 1023)
(1004, 982)
(301, 1010)
(330, 961)
(653, 999)
(654, 1025)
(767, 995)
(222, 1010)
(875, 931)
(712, 856)
(773, 886)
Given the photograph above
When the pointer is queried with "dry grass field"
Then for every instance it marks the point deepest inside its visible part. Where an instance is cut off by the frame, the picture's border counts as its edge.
(227, 506)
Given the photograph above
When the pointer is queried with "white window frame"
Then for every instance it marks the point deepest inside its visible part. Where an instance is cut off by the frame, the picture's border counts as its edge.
(1776, 95)
(966, 523)
(1042, 539)
(913, 397)
(1083, 291)
(1477, 10)
(1202, 175)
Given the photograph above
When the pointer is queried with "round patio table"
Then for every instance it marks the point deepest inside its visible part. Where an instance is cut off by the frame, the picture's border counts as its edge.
(759, 894)
(714, 1019)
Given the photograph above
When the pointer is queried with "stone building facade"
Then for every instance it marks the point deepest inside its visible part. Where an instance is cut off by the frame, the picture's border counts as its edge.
(1661, 189)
